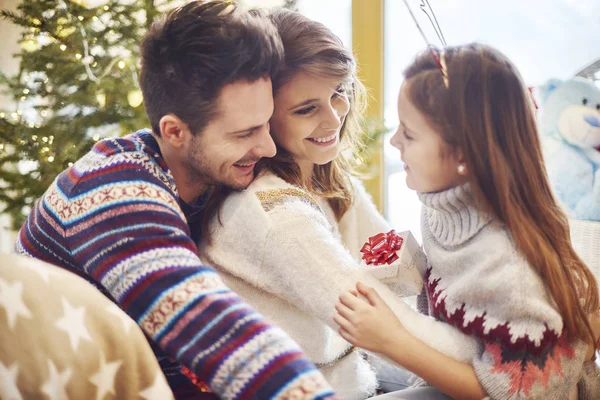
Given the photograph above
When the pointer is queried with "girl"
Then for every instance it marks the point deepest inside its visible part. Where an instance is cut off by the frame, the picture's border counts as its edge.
(290, 243)
(502, 268)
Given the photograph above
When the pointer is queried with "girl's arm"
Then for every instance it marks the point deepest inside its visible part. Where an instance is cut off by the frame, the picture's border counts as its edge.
(500, 369)
(369, 323)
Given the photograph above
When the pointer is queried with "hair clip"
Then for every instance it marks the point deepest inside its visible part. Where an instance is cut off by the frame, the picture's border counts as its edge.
(440, 58)
(443, 68)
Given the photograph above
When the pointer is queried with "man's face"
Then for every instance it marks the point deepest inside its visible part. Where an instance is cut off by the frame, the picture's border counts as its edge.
(227, 150)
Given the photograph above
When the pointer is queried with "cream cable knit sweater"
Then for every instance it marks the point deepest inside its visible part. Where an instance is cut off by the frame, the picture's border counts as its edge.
(280, 249)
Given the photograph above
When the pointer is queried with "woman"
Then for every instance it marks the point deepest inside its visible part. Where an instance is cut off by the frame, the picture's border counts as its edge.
(290, 243)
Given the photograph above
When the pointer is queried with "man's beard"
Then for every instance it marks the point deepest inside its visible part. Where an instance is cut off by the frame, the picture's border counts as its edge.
(200, 173)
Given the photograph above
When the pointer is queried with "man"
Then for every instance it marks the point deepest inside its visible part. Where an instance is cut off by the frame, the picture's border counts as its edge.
(122, 216)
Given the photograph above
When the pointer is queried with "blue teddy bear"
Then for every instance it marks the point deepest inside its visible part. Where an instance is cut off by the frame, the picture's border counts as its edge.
(570, 130)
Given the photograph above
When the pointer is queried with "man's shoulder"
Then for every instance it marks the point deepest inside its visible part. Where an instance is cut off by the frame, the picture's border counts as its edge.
(130, 158)
(120, 164)
(141, 142)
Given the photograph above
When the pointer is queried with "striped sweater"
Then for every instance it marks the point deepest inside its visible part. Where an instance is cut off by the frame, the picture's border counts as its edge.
(114, 218)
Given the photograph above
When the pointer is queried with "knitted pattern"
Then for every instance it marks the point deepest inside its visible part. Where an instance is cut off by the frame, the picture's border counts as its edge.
(480, 283)
(284, 252)
(114, 218)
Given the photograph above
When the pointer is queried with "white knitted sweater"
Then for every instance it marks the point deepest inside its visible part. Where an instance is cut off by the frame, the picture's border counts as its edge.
(281, 250)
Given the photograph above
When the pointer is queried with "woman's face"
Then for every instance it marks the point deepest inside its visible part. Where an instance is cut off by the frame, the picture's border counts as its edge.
(309, 114)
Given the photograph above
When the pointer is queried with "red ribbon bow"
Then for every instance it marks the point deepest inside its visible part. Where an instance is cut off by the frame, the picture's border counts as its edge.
(381, 248)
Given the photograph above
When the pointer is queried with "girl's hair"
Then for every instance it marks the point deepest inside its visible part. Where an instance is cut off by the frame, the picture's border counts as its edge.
(311, 47)
(487, 112)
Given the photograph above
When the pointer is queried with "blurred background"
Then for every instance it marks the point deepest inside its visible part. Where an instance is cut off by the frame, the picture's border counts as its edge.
(68, 75)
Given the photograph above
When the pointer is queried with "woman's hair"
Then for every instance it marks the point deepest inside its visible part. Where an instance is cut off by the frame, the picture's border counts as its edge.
(487, 112)
(311, 47)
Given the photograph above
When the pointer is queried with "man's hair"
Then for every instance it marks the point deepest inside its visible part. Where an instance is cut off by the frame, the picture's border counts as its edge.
(191, 53)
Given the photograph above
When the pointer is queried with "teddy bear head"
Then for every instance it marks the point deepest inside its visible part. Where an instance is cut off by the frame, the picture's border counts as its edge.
(571, 110)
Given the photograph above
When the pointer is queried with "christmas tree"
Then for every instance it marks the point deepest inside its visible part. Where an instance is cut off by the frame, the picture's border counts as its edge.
(77, 83)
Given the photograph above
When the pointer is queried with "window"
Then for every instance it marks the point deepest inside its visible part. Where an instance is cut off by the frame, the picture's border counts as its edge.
(544, 38)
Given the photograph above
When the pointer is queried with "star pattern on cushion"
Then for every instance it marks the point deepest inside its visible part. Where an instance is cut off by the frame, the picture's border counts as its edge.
(8, 382)
(44, 273)
(128, 323)
(73, 324)
(104, 379)
(62, 339)
(56, 385)
(11, 300)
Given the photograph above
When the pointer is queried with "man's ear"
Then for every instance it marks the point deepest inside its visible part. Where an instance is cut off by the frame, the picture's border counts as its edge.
(173, 130)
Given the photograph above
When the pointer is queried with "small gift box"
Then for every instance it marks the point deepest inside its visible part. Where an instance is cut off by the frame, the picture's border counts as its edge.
(397, 260)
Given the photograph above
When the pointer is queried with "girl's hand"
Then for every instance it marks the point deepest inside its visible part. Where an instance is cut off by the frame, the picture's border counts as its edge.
(368, 322)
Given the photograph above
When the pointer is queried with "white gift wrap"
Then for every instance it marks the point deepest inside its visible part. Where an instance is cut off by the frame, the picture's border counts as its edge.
(405, 275)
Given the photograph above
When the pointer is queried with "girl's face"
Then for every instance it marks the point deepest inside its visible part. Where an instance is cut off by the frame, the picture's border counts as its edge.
(431, 164)
(309, 114)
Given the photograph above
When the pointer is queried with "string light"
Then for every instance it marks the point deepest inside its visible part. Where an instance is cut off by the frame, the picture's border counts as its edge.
(26, 91)
(135, 98)
(80, 18)
(23, 98)
(106, 8)
(78, 56)
(101, 97)
(70, 164)
(45, 139)
(1, 147)
(51, 158)
(31, 125)
(29, 45)
(121, 64)
(2, 115)
(34, 138)
(44, 113)
(63, 47)
(20, 112)
(96, 137)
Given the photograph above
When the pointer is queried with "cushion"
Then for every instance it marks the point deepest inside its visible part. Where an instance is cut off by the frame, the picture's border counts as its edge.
(62, 339)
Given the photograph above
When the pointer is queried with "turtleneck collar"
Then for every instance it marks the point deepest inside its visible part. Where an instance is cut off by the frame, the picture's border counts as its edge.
(452, 216)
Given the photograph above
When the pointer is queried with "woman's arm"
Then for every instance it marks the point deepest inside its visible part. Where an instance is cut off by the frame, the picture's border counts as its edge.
(304, 264)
